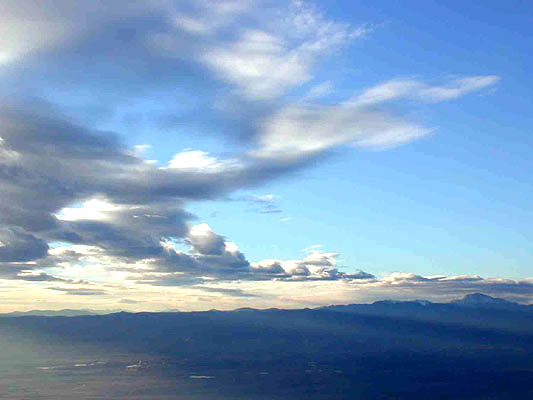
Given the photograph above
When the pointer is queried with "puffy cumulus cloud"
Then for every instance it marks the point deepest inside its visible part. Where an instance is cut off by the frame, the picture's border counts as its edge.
(211, 258)
(204, 241)
(318, 258)
(215, 266)
(316, 265)
(270, 267)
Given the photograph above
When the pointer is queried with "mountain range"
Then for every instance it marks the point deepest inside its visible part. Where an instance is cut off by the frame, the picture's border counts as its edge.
(474, 300)
(478, 347)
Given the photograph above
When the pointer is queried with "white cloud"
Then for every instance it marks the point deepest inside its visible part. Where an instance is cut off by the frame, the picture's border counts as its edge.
(262, 55)
(319, 91)
(311, 248)
(264, 203)
(94, 209)
(202, 162)
(260, 64)
(77, 249)
(319, 258)
(48, 24)
(265, 63)
(228, 6)
(458, 88)
(231, 247)
(204, 241)
(263, 198)
(213, 14)
(37, 35)
(306, 130)
(192, 25)
(411, 89)
(298, 130)
(141, 149)
(317, 265)
(7, 156)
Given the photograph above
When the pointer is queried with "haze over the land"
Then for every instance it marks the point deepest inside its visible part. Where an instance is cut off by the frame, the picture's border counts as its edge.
(208, 154)
(473, 348)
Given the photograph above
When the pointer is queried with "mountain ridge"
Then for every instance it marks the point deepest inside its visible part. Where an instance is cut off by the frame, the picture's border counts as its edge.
(472, 300)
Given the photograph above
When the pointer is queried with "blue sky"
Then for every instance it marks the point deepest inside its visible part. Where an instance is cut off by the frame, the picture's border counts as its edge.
(368, 149)
(453, 202)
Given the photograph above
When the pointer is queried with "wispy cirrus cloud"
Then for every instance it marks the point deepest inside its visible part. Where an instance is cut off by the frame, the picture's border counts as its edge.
(416, 90)
(303, 131)
(266, 60)
(307, 129)
(264, 203)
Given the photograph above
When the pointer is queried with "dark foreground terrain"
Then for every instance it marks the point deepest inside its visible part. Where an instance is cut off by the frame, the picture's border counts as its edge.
(478, 348)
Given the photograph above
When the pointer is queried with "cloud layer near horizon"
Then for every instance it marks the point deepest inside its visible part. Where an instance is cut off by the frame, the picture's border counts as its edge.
(79, 207)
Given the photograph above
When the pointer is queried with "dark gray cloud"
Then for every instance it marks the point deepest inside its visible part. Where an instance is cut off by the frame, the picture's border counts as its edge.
(50, 163)
(22, 272)
(178, 268)
(359, 275)
(130, 208)
(16, 245)
(229, 264)
(106, 53)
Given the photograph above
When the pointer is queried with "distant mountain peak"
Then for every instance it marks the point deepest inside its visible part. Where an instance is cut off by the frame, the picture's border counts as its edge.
(420, 302)
(57, 313)
(476, 299)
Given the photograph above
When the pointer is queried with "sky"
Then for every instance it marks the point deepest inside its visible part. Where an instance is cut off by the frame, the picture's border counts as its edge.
(192, 155)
